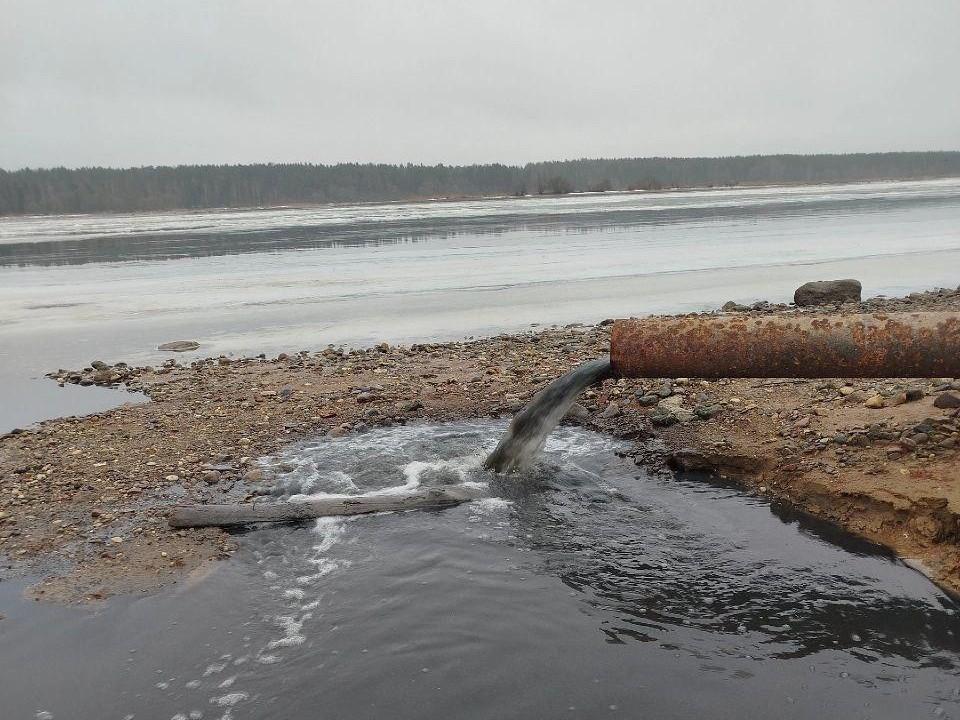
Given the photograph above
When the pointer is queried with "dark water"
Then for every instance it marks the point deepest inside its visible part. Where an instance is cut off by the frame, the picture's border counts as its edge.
(581, 588)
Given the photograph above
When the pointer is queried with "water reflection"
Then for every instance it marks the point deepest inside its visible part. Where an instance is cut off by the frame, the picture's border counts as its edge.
(656, 559)
(134, 243)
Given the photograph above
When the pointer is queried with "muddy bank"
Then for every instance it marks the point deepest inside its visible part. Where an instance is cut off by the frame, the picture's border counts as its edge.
(84, 500)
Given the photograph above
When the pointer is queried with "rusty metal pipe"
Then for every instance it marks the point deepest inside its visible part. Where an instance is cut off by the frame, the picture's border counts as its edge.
(801, 345)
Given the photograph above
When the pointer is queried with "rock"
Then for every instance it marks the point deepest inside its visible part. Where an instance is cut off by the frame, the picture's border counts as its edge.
(707, 411)
(731, 306)
(285, 392)
(859, 440)
(913, 394)
(179, 346)
(611, 411)
(846, 390)
(210, 477)
(823, 292)
(105, 377)
(577, 413)
(876, 402)
(947, 401)
(665, 390)
(99, 365)
(663, 418)
(878, 433)
(383, 347)
(253, 476)
(647, 400)
(339, 431)
(409, 405)
(366, 397)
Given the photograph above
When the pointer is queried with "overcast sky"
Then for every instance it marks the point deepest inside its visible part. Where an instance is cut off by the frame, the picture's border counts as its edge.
(160, 82)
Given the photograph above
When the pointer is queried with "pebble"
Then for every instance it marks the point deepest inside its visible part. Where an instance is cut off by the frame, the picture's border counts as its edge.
(578, 412)
(876, 402)
(705, 412)
(611, 411)
(210, 477)
(253, 476)
(179, 346)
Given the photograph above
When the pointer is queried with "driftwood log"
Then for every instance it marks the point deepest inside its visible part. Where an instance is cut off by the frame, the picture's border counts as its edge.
(186, 516)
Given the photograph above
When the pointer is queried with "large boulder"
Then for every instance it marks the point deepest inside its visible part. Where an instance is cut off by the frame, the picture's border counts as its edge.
(826, 292)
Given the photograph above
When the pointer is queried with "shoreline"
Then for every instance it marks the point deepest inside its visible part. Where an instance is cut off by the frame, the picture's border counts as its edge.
(83, 501)
(414, 200)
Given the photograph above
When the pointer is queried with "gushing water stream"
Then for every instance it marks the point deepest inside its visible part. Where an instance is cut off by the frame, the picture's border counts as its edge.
(530, 428)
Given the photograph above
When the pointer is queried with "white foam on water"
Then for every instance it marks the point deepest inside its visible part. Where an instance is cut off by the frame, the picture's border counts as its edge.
(214, 668)
(292, 631)
(230, 699)
(343, 467)
(490, 505)
(567, 441)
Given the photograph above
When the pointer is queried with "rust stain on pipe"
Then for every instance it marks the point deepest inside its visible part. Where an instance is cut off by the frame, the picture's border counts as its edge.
(802, 345)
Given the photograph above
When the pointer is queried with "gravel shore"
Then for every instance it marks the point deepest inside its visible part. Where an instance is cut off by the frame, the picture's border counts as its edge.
(83, 501)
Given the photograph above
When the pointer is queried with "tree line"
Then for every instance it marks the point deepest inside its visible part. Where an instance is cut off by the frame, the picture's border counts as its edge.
(97, 189)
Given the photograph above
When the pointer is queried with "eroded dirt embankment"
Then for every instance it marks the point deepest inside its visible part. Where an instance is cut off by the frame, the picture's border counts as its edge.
(83, 501)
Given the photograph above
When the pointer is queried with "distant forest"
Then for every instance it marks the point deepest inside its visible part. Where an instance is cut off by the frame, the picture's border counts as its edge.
(61, 190)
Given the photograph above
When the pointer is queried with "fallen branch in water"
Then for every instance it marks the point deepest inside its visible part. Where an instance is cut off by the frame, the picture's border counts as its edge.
(244, 513)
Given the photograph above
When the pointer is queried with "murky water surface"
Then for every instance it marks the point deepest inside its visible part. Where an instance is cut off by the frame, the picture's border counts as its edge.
(585, 589)
(113, 287)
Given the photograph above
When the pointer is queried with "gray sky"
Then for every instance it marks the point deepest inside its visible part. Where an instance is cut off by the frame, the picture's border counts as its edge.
(161, 82)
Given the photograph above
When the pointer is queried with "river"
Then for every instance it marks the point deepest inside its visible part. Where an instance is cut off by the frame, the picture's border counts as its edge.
(587, 587)
(74, 289)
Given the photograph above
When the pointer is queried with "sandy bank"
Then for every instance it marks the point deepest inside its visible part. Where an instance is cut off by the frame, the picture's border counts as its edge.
(83, 501)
